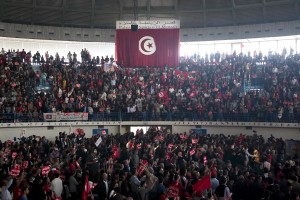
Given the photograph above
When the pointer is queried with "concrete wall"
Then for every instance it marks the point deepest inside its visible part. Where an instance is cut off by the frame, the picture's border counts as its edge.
(187, 35)
(51, 129)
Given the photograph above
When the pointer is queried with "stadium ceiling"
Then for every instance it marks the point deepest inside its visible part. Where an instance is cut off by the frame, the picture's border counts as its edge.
(191, 13)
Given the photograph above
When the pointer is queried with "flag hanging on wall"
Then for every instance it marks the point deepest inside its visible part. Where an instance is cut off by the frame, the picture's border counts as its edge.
(154, 44)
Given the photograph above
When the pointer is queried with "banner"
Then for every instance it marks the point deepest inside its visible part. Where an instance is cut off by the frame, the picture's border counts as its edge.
(98, 141)
(199, 131)
(66, 116)
(100, 131)
(155, 44)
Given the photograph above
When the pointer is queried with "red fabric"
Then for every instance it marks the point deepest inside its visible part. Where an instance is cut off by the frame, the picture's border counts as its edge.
(45, 170)
(141, 167)
(72, 167)
(115, 152)
(17, 193)
(131, 47)
(202, 184)
(175, 190)
(87, 189)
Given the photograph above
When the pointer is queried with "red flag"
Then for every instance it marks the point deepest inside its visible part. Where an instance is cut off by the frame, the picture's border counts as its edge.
(13, 155)
(141, 167)
(181, 74)
(192, 152)
(87, 189)
(202, 184)
(45, 170)
(115, 152)
(194, 141)
(15, 172)
(149, 46)
(139, 146)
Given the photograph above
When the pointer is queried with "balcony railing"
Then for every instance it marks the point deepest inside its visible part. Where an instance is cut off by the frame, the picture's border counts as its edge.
(165, 116)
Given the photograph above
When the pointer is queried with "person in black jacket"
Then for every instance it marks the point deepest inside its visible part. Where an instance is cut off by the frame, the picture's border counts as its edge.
(102, 188)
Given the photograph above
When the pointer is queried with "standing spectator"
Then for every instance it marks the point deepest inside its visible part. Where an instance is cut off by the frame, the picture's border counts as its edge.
(5, 194)
(56, 185)
(222, 191)
(102, 188)
(25, 191)
(73, 185)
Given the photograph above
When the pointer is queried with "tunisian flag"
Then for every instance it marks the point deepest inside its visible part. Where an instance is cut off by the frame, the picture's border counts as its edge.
(86, 189)
(202, 184)
(148, 47)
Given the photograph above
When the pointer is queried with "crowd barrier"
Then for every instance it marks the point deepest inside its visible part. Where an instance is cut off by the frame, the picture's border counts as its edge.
(152, 116)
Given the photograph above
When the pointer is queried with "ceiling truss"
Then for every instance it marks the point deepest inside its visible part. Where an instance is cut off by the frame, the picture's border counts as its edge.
(146, 10)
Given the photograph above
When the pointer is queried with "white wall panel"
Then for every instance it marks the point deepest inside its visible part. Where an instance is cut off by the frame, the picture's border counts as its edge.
(266, 132)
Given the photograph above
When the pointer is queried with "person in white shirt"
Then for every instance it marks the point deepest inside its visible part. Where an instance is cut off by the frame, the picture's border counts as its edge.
(5, 194)
(73, 185)
(56, 185)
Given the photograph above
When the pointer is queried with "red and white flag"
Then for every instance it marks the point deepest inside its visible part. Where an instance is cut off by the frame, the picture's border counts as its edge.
(155, 44)
(15, 172)
(142, 166)
(87, 189)
(45, 170)
(13, 155)
(192, 152)
(194, 141)
(25, 164)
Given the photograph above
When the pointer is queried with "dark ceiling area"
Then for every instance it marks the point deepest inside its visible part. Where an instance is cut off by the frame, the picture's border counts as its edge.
(191, 13)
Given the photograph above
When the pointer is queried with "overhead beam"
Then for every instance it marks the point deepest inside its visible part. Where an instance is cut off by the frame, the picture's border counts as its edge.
(121, 10)
(297, 9)
(204, 13)
(63, 12)
(264, 9)
(93, 14)
(233, 12)
(176, 8)
(173, 10)
(148, 3)
(1, 10)
(33, 11)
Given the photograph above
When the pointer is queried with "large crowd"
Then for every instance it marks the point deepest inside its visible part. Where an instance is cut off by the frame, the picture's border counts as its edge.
(219, 87)
(154, 165)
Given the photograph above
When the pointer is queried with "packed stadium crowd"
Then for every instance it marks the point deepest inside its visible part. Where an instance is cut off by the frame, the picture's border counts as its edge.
(223, 87)
(157, 164)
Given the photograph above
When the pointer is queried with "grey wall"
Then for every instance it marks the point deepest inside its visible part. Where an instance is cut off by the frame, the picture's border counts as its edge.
(187, 35)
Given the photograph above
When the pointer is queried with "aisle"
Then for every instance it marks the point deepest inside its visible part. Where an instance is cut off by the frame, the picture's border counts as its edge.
(44, 85)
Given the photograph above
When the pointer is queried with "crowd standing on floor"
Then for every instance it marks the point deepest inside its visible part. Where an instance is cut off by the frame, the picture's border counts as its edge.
(223, 87)
(154, 165)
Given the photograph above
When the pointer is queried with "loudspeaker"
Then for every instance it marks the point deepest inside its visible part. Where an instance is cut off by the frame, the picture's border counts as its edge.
(134, 27)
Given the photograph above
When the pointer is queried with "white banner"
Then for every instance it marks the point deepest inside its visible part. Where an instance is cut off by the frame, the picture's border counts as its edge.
(98, 141)
(157, 24)
(66, 116)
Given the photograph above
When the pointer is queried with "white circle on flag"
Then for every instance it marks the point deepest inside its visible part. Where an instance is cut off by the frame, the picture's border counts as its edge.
(147, 45)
